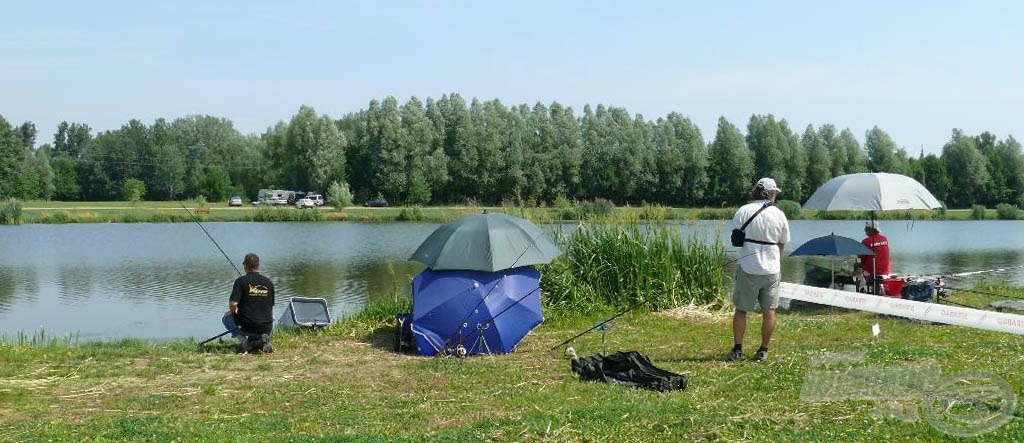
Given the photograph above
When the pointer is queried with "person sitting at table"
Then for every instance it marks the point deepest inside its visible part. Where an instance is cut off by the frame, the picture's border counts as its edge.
(878, 265)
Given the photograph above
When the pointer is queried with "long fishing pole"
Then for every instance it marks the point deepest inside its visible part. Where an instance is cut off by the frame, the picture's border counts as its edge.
(217, 336)
(225, 257)
(210, 237)
(986, 271)
(636, 305)
(990, 294)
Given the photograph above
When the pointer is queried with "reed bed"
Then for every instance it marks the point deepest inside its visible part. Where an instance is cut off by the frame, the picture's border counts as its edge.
(618, 264)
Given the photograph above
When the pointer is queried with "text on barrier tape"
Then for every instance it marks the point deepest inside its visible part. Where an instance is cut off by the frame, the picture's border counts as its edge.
(938, 313)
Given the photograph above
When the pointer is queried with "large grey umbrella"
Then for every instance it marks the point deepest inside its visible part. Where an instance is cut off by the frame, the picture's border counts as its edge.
(875, 191)
(486, 242)
(872, 191)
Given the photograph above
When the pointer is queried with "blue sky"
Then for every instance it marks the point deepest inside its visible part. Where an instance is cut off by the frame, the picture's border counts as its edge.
(915, 69)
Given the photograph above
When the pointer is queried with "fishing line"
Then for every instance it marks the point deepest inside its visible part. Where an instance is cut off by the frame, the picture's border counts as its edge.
(210, 237)
(639, 303)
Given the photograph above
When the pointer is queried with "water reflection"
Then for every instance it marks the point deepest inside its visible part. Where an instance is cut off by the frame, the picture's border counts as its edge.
(169, 280)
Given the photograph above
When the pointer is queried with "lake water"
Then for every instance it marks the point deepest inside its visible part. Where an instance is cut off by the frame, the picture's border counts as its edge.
(106, 281)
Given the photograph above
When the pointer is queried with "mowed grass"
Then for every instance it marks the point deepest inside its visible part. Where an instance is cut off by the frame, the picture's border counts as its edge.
(346, 384)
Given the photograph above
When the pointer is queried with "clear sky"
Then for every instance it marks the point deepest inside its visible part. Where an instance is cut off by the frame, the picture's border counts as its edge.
(917, 69)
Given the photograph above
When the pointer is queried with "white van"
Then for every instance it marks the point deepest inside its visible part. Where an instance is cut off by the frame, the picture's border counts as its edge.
(317, 199)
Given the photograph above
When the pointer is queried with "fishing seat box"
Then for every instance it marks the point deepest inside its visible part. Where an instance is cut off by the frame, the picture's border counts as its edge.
(306, 312)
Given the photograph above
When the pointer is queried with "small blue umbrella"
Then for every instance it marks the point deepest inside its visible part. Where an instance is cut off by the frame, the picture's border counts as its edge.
(483, 312)
(832, 245)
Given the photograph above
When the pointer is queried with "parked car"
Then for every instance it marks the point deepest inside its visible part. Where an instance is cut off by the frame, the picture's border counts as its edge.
(278, 200)
(305, 203)
(235, 201)
(378, 202)
(317, 199)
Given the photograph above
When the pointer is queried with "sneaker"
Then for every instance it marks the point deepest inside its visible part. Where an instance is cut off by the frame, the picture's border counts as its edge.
(734, 355)
(761, 355)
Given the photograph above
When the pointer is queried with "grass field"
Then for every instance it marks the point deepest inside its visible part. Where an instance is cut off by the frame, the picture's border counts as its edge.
(346, 384)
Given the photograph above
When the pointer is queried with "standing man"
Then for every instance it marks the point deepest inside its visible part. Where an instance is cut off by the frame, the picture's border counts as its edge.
(876, 265)
(251, 307)
(758, 273)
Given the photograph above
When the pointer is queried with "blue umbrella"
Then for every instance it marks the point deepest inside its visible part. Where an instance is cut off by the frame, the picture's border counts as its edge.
(832, 245)
(483, 312)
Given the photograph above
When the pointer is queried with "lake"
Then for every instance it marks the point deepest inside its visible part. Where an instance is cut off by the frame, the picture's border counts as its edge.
(168, 280)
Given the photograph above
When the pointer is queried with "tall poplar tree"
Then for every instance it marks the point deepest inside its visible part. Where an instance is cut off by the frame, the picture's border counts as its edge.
(731, 166)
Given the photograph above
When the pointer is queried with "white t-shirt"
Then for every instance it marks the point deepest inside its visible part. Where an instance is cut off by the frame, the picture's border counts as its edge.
(769, 226)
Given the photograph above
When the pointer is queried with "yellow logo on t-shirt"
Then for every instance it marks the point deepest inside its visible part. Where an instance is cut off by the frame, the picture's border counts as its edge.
(258, 291)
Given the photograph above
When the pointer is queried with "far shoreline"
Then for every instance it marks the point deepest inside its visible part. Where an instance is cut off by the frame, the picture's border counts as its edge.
(52, 212)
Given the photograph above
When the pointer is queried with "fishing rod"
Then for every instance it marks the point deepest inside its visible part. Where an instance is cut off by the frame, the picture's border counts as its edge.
(210, 237)
(986, 271)
(225, 257)
(990, 294)
(217, 336)
(638, 304)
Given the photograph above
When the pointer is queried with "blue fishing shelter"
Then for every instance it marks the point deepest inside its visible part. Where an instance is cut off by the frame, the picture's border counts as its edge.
(474, 312)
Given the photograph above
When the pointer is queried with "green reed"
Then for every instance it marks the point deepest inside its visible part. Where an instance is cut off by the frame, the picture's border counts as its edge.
(37, 339)
(616, 264)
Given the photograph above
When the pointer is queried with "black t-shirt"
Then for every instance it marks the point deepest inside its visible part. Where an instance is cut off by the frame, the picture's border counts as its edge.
(255, 296)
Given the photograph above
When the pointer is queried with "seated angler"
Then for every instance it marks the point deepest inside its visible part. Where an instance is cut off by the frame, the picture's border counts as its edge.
(250, 309)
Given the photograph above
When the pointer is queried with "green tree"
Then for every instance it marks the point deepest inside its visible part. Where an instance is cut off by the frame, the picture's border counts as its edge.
(567, 152)
(71, 139)
(856, 159)
(681, 161)
(214, 183)
(167, 177)
(417, 139)
(880, 149)
(462, 157)
(327, 157)
(65, 177)
(933, 176)
(770, 146)
(27, 134)
(1008, 156)
(965, 162)
(731, 165)
(133, 189)
(819, 162)
(12, 157)
(836, 152)
(339, 195)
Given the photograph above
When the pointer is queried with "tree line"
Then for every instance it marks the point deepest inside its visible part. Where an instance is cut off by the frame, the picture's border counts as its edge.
(448, 151)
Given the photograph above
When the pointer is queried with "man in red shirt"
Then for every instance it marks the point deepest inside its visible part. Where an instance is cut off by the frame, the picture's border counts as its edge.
(878, 264)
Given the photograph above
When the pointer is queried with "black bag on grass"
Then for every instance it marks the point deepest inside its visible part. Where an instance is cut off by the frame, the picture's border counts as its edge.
(628, 368)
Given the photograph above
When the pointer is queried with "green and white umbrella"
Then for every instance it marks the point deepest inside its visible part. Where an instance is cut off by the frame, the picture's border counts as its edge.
(486, 242)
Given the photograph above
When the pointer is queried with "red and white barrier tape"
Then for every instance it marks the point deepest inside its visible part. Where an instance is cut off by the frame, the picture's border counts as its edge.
(939, 313)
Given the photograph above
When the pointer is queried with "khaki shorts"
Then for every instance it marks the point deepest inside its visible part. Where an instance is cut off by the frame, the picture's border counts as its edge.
(754, 289)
